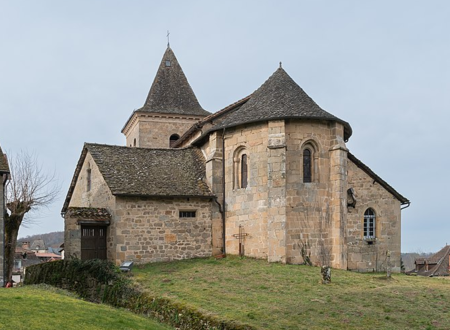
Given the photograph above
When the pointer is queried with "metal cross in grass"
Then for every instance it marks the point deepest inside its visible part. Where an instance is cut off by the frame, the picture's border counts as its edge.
(241, 237)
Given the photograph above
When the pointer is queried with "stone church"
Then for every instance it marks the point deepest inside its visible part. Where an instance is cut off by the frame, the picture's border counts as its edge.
(268, 176)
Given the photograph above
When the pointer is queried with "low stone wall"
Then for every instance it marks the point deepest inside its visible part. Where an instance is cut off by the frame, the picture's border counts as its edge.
(99, 281)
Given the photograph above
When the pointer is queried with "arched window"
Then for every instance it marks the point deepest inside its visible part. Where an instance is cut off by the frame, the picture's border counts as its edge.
(241, 168)
(173, 138)
(244, 171)
(307, 165)
(369, 224)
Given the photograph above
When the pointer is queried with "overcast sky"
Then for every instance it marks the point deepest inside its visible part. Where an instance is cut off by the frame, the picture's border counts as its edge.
(73, 72)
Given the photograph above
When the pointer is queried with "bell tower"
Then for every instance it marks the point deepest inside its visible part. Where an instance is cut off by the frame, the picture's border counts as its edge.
(170, 109)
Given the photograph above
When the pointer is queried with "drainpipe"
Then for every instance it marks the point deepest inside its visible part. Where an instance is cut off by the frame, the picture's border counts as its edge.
(223, 190)
(404, 207)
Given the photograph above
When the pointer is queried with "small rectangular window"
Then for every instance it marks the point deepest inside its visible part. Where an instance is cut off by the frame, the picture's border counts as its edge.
(187, 214)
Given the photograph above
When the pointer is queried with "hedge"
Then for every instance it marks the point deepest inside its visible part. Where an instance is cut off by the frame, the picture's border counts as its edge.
(101, 282)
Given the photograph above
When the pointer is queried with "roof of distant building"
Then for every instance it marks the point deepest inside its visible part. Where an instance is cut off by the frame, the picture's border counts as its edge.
(438, 263)
(38, 244)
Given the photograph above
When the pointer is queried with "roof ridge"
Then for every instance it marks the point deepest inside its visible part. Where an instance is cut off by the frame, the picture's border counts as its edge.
(374, 176)
(139, 148)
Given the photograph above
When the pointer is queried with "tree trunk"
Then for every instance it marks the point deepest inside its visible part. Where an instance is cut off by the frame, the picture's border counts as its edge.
(12, 225)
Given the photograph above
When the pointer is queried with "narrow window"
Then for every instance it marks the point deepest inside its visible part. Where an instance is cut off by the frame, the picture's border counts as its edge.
(173, 138)
(89, 180)
(307, 164)
(134, 143)
(369, 224)
(244, 171)
(187, 214)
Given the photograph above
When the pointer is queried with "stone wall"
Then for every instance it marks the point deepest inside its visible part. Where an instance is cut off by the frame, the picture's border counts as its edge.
(310, 206)
(154, 130)
(99, 195)
(363, 256)
(150, 230)
(247, 207)
(213, 152)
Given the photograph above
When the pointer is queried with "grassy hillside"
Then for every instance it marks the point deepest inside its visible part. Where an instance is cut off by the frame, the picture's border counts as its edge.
(276, 296)
(46, 308)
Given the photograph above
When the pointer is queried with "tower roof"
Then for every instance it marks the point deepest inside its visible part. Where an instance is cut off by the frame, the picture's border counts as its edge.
(280, 98)
(170, 91)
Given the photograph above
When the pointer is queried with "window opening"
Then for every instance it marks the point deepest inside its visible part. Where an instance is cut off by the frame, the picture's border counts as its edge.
(307, 166)
(173, 138)
(89, 179)
(168, 63)
(244, 171)
(187, 214)
(369, 224)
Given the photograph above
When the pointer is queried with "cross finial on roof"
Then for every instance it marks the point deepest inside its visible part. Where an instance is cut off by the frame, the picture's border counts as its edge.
(281, 65)
(168, 42)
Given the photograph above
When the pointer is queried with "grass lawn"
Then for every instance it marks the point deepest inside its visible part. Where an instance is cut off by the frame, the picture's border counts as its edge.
(276, 296)
(38, 307)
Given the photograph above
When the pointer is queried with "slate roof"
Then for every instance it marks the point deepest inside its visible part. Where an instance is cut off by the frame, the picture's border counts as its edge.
(147, 172)
(280, 98)
(93, 213)
(38, 244)
(171, 92)
(403, 200)
(4, 168)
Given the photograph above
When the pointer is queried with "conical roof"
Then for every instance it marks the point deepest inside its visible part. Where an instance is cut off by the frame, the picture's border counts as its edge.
(279, 98)
(170, 91)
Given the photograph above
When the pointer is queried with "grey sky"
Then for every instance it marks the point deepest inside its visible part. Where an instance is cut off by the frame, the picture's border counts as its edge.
(73, 71)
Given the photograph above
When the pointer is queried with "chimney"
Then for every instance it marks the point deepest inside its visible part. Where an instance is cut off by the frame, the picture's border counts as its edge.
(26, 245)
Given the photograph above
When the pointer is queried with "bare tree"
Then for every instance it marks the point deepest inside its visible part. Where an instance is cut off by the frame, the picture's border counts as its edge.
(29, 189)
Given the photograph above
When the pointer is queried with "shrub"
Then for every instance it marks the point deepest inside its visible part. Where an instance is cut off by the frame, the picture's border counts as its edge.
(102, 282)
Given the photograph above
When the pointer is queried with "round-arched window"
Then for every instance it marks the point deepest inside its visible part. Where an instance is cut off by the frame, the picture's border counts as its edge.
(173, 138)
(369, 224)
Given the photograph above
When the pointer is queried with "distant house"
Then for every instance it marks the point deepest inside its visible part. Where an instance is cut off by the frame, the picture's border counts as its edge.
(27, 255)
(436, 265)
(38, 246)
(4, 174)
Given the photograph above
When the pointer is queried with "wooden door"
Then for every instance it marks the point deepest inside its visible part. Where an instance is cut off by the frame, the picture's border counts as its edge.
(93, 242)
